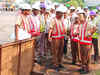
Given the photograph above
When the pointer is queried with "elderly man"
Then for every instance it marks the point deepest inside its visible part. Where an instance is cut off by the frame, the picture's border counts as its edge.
(23, 21)
(56, 36)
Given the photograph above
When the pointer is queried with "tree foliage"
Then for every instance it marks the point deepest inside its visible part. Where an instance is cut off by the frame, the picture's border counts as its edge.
(76, 3)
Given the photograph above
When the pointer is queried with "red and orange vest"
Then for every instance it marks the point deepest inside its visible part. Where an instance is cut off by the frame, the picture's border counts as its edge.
(83, 38)
(30, 26)
(58, 30)
(35, 29)
(74, 30)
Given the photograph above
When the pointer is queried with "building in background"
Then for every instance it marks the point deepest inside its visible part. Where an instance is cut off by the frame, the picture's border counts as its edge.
(92, 2)
(6, 4)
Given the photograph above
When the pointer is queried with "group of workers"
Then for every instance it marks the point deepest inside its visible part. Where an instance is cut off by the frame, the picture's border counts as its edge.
(56, 24)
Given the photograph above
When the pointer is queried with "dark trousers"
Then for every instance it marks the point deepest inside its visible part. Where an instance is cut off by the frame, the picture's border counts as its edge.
(57, 51)
(85, 56)
(74, 51)
(96, 49)
(65, 46)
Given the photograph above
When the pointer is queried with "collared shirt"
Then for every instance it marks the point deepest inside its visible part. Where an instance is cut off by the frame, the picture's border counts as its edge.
(47, 23)
(36, 21)
(67, 23)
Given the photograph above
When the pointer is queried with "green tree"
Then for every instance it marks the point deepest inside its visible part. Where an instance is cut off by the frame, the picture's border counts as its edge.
(76, 3)
(32, 1)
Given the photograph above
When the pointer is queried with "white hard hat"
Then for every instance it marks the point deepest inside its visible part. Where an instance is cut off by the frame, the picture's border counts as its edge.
(52, 7)
(74, 16)
(72, 7)
(81, 11)
(48, 7)
(78, 8)
(35, 6)
(62, 9)
(26, 6)
(65, 9)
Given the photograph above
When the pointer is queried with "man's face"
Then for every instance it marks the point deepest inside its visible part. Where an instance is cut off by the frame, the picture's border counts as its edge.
(42, 10)
(59, 14)
(72, 10)
(82, 17)
(52, 11)
(35, 11)
(26, 12)
(85, 9)
(65, 14)
(92, 16)
(77, 19)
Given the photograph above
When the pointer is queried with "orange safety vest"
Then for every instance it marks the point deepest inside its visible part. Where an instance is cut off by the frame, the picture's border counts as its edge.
(58, 31)
(26, 24)
(74, 37)
(35, 30)
(83, 39)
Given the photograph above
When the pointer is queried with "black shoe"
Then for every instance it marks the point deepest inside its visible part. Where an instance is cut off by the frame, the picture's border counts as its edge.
(84, 72)
(56, 68)
(73, 63)
(96, 62)
(80, 70)
(61, 66)
(39, 62)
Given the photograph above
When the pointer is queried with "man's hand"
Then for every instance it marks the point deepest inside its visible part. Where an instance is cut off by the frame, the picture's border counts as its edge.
(49, 36)
(50, 39)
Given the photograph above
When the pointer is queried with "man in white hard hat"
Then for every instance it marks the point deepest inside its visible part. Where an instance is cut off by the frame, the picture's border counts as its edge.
(74, 38)
(85, 42)
(23, 20)
(72, 8)
(36, 20)
(86, 10)
(67, 24)
(56, 36)
(35, 29)
(72, 12)
(52, 11)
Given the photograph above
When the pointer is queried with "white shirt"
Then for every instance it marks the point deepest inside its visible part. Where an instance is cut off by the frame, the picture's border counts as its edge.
(36, 22)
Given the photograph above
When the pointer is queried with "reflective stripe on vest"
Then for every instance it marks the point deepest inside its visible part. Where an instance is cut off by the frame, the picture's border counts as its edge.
(95, 35)
(59, 31)
(35, 30)
(74, 37)
(26, 24)
(84, 39)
